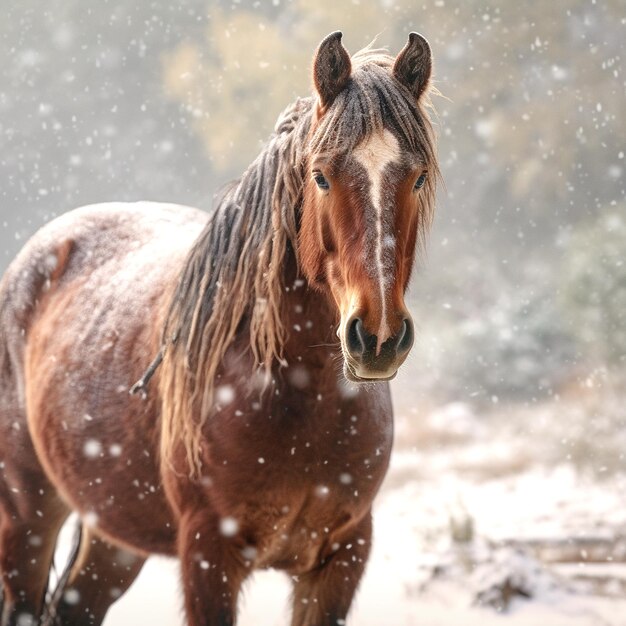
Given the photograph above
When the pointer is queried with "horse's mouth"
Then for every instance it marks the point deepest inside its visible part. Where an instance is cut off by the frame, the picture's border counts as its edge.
(353, 377)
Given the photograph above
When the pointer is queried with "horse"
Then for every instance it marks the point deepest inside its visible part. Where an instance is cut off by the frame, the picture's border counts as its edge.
(261, 432)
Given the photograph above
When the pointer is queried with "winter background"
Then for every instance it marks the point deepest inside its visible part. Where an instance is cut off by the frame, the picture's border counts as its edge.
(506, 499)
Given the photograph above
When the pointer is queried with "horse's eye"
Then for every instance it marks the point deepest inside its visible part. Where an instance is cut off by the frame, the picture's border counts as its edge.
(321, 182)
(419, 183)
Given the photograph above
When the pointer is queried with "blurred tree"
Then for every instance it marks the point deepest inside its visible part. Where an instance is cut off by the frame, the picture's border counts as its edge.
(594, 286)
(507, 342)
(253, 63)
(544, 94)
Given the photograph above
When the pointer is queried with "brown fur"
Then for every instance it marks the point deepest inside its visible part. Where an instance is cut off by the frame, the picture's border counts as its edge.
(248, 449)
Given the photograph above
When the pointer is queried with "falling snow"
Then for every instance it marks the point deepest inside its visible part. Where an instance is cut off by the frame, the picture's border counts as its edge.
(92, 448)
(509, 461)
(229, 526)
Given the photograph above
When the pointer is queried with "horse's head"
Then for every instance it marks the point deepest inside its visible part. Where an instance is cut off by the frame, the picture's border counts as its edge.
(368, 193)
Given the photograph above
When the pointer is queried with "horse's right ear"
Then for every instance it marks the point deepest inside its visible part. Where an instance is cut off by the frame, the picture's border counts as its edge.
(331, 69)
(414, 65)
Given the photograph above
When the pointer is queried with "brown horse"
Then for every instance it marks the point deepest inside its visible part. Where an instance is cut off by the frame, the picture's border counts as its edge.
(248, 449)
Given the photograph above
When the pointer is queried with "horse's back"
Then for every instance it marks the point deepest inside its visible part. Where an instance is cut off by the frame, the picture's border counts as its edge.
(80, 316)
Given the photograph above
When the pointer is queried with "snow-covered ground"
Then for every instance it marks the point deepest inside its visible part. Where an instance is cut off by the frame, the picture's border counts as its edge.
(470, 529)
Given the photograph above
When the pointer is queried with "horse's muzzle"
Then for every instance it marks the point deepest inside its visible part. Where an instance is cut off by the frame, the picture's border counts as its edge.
(365, 360)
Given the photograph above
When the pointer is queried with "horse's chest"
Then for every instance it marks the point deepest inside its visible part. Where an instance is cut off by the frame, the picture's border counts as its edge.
(298, 536)
(296, 490)
(290, 528)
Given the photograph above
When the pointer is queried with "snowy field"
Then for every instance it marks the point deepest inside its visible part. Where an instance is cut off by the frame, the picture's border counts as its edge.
(406, 585)
(477, 526)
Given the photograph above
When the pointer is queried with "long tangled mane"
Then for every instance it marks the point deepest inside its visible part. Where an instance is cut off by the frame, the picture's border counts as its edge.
(232, 280)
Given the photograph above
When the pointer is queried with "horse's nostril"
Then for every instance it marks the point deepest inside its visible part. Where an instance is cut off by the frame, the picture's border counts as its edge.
(405, 337)
(356, 337)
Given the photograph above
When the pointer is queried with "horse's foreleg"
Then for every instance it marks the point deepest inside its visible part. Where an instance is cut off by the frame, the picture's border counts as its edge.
(322, 597)
(100, 575)
(212, 573)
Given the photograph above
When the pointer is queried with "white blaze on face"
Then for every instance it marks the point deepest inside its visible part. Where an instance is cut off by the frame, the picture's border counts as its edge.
(375, 154)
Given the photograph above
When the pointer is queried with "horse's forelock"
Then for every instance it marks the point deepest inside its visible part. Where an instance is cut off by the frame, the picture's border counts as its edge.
(372, 101)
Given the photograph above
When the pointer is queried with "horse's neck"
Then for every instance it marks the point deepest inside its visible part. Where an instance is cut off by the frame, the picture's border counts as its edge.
(310, 323)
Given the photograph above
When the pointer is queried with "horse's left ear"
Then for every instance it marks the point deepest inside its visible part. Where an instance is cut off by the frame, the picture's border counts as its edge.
(414, 65)
(331, 68)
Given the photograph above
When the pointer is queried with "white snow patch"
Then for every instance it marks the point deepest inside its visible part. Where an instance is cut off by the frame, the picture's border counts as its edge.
(224, 394)
(229, 526)
(92, 448)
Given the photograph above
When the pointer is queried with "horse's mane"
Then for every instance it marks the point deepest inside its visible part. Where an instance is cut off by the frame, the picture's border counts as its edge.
(232, 279)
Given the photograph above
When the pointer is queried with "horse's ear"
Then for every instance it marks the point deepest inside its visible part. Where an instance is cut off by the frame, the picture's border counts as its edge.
(414, 64)
(331, 69)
